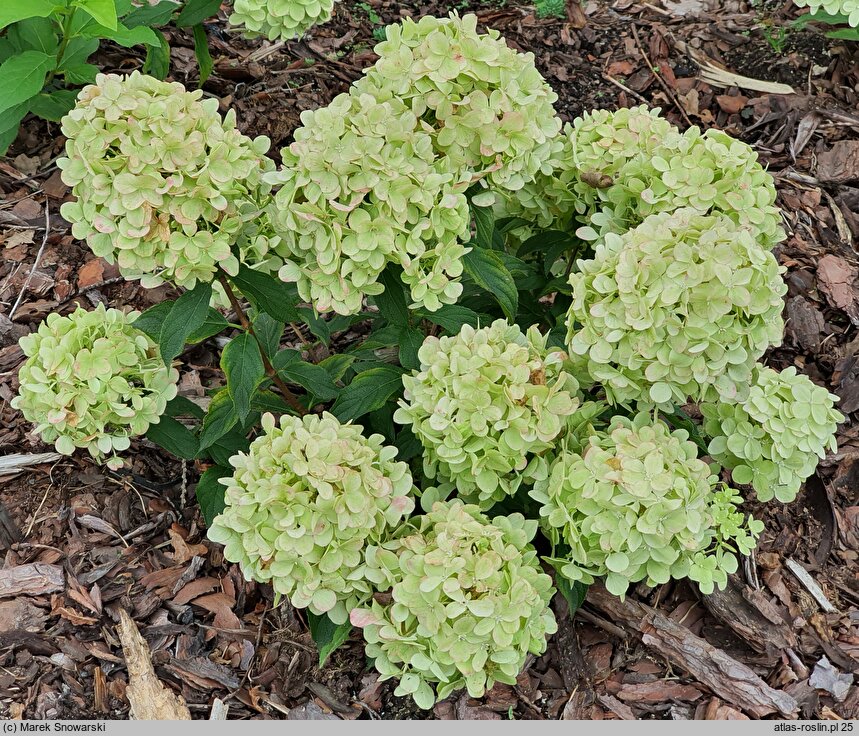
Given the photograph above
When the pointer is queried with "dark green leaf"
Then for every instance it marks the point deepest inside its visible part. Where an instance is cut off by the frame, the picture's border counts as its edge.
(392, 302)
(151, 15)
(220, 419)
(573, 590)
(9, 121)
(312, 377)
(242, 364)
(232, 443)
(679, 419)
(267, 293)
(187, 314)
(408, 445)
(35, 34)
(337, 365)
(326, 634)
(22, 77)
(11, 11)
(157, 62)
(179, 406)
(53, 105)
(848, 34)
(411, 340)
(451, 317)
(484, 223)
(80, 73)
(284, 358)
(488, 271)
(201, 51)
(269, 331)
(210, 492)
(367, 392)
(525, 275)
(213, 324)
(264, 401)
(174, 437)
(196, 11)
(152, 320)
(541, 242)
(317, 326)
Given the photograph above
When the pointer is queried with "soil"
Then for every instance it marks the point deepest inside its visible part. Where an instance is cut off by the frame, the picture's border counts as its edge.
(136, 539)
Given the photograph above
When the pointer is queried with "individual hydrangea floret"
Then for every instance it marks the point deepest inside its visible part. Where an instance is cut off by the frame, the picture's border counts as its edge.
(280, 19)
(469, 604)
(362, 187)
(847, 8)
(306, 505)
(615, 169)
(483, 404)
(679, 307)
(489, 108)
(637, 504)
(774, 438)
(164, 186)
(92, 380)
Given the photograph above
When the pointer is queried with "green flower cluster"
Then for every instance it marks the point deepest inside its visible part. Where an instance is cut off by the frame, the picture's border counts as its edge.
(614, 169)
(306, 506)
(484, 404)
(283, 19)
(774, 438)
(92, 380)
(379, 176)
(847, 8)
(637, 504)
(682, 305)
(164, 186)
(469, 604)
(362, 187)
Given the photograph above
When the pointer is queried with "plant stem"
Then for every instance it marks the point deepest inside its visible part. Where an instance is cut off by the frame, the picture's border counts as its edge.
(64, 42)
(290, 397)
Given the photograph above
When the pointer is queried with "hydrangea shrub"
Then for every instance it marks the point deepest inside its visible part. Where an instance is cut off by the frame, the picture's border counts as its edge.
(774, 438)
(468, 605)
(637, 504)
(164, 186)
(484, 404)
(679, 307)
(306, 505)
(846, 9)
(280, 19)
(91, 380)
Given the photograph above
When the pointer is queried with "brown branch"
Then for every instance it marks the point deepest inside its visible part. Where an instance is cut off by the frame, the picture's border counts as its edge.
(290, 397)
(662, 83)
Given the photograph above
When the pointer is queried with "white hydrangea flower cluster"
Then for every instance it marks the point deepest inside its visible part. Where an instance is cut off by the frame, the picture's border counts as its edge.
(280, 19)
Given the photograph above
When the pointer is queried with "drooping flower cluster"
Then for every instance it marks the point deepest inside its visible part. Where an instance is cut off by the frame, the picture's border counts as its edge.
(774, 438)
(637, 504)
(678, 307)
(469, 604)
(485, 403)
(306, 506)
(614, 169)
(164, 186)
(379, 176)
(847, 8)
(280, 19)
(92, 380)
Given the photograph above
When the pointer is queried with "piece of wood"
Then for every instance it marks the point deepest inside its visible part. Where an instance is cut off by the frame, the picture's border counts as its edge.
(726, 677)
(16, 462)
(219, 710)
(36, 578)
(810, 585)
(149, 699)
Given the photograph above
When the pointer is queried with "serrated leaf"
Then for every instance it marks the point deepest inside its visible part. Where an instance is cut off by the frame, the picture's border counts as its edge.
(210, 492)
(489, 272)
(201, 51)
(187, 314)
(196, 11)
(174, 437)
(180, 406)
(574, 591)
(484, 224)
(327, 635)
(242, 364)
(157, 62)
(12, 11)
(22, 76)
(214, 323)
(269, 331)
(411, 340)
(367, 392)
(312, 377)
(267, 293)
(220, 419)
(392, 302)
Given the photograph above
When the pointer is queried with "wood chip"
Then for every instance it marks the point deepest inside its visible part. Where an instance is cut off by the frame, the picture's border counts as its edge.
(810, 585)
(840, 164)
(34, 579)
(16, 462)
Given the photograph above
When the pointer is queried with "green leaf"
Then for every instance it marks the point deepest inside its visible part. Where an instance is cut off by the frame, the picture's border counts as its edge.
(174, 437)
(242, 364)
(679, 419)
(484, 223)
(201, 51)
(269, 401)
(220, 419)
(157, 62)
(489, 272)
(392, 302)
(232, 443)
(22, 76)
(196, 11)
(11, 11)
(53, 105)
(124, 36)
(848, 34)
(337, 365)
(451, 317)
(318, 327)
(210, 493)
(151, 15)
(541, 242)
(326, 634)
(152, 320)
(269, 331)
(267, 293)
(9, 121)
(36, 34)
(214, 323)
(411, 340)
(573, 590)
(187, 314)
(80, 74)
(78, 50)
(312, 377)
(179, 406)
(102, 12)
(367, 392)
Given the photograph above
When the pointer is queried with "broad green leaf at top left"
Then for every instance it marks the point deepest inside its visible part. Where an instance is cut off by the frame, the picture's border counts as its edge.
(22, 76)
(11, 11)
